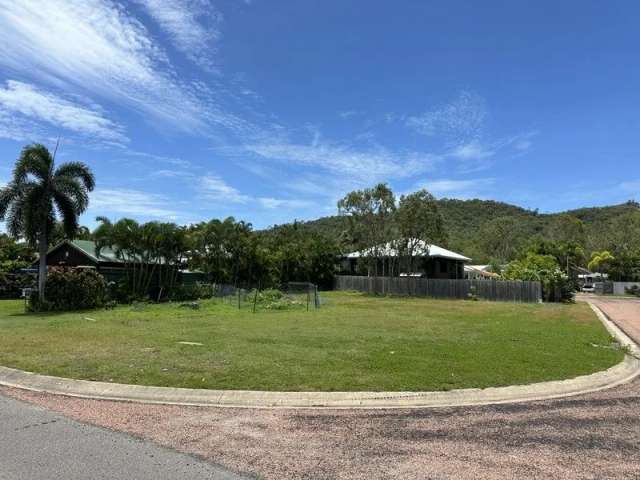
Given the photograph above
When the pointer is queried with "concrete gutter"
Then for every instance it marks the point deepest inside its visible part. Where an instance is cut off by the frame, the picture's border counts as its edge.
(624, 372)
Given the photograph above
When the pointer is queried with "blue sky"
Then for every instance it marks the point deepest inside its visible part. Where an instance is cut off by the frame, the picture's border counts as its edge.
(272, 110)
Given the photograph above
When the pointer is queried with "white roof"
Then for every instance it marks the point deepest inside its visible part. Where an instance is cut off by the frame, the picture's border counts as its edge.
(422, 249)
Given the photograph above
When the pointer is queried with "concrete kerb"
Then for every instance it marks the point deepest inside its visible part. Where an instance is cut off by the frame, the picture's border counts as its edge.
(621, 373)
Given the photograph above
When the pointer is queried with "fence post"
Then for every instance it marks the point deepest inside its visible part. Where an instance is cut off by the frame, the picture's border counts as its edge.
(255, 299)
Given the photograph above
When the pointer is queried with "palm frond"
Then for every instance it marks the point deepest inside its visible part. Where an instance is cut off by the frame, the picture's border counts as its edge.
(8, 195)
(68, 212)
(35, 160)
(78, 171)
(14, 220)
(72, 189)
(36, 210)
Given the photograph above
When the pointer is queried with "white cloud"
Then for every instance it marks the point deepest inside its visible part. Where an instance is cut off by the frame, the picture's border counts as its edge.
(472, 151)
(348, 114)
(523, 145)
(632, 186)
(460, 120)
(178, 162)
(131, 202)
(19, 129)
(35, 104)
(369, 165)
(451, 187)
(273, 203)
(97, 47)
(172, 174)
(215, 188)
(192, 25)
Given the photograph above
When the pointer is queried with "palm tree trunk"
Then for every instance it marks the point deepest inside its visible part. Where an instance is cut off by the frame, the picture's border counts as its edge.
(42, 270)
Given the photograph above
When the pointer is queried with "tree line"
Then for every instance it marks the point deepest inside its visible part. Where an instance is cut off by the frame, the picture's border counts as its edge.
(43, 202)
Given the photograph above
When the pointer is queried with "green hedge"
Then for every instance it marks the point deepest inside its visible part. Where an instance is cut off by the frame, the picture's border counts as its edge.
(72, 289)
(11, 284)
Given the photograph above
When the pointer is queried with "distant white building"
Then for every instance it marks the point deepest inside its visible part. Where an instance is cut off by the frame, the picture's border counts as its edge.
(430, 261)
(479, 272)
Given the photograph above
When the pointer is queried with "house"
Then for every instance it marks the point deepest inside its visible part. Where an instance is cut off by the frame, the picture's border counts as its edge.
(430, 261)
(83, 254)
(479, 272)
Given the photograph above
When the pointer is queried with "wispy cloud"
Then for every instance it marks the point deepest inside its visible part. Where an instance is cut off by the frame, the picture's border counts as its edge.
(631, 186)
(369, 164)
(165, 173)
(479, 155)
(175, 161)
(458, 188)
(98, 47)
(33, 104)
(215, 188)
(19, 128)
(273, 203)
(192, 25)
(459, 121)
(472, 151)
(348, 114)
(132, 202)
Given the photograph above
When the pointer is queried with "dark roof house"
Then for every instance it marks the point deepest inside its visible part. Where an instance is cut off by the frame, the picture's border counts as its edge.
(83, 254)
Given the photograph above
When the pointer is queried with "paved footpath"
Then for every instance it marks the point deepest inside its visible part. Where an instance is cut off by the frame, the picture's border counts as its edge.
(592, 436)
(38, 444)
(625, 312)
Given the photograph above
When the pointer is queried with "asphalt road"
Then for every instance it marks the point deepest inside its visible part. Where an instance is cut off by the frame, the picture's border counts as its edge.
(38, 444)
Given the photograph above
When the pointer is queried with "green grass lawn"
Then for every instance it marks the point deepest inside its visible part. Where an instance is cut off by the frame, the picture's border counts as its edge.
(354, 342)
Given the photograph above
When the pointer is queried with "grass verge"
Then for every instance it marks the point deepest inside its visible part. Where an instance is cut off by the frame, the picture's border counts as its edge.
(353, 343)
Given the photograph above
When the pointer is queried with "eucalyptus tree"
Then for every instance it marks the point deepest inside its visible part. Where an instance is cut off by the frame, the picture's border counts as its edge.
(39, 194)
(419, 224)
(370, 213)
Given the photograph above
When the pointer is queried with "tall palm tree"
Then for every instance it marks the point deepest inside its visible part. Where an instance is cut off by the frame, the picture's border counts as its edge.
(38, 194)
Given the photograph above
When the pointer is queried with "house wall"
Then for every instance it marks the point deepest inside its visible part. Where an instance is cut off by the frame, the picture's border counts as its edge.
(68, 256)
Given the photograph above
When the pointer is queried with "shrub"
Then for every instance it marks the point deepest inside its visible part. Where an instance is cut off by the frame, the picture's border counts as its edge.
(11, 284)
(272, 299)
(633, 290)
(184, 293)
(556, 285)
(71, 289)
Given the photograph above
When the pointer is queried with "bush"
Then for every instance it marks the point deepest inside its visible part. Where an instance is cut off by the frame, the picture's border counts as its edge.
(11, 284)
(272, 299)
(184, 293)
(71, 289)
(633, 290)
(556, 285)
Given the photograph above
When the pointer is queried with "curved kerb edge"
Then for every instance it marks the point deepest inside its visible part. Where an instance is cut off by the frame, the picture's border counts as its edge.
(621, 373)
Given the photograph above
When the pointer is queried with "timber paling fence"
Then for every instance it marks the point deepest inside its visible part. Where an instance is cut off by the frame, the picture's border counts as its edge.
(493, 290)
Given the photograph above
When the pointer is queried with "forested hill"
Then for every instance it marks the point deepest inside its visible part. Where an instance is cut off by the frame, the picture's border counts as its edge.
(467, 222)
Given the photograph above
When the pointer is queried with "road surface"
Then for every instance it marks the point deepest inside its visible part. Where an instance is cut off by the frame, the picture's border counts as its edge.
(38, 444)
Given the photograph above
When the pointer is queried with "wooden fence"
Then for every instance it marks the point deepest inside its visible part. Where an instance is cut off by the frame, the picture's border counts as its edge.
(494, 290)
